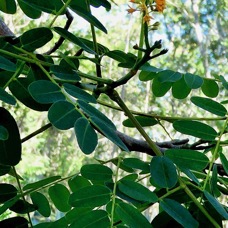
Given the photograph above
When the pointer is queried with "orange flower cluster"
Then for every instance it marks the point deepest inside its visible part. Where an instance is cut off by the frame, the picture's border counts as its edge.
(143, 7)
(160, 5)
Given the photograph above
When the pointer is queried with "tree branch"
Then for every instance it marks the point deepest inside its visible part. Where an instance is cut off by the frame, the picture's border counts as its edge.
(61, 39)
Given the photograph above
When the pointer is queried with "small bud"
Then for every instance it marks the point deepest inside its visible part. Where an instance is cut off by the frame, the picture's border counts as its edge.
(163, 51)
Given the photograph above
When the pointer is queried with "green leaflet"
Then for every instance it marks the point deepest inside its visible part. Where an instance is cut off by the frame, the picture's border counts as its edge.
(195, 128)
(86, 135)
(91, 219)
(143, 120)
(36, 38)
(8, 6)
(10, 146)
(163, 172)
(45, 92)
(78, 182)
(29, 10)
(210, 88)
(96, 172)
(193, 81)
(188, 159)
(90, 196)
(42, 203)
(41, 183)
(179, 213)
(63, 115)
(137, 191)
(209, 105)
(74, 39)
(59, 195)
(131, 216)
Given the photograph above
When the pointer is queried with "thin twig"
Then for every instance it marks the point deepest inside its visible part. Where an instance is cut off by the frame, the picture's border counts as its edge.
(61, 39)
(42, 129)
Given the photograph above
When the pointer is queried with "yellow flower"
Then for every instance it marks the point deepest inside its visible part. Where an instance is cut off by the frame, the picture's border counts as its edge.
(160, 5)
(147, 18)
(131, 10)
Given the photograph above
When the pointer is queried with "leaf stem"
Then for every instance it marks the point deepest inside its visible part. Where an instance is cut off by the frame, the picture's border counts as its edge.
(59, 13)
(114, 192)
(153, 115)
(215, 154)
(21, 192)
(194, 199)
(115, 97)
(16, 74)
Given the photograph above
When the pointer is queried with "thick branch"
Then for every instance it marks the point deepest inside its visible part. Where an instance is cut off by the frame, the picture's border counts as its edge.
(143, 147)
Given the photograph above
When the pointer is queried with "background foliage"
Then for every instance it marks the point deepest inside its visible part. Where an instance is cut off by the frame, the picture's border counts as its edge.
(117, 98)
